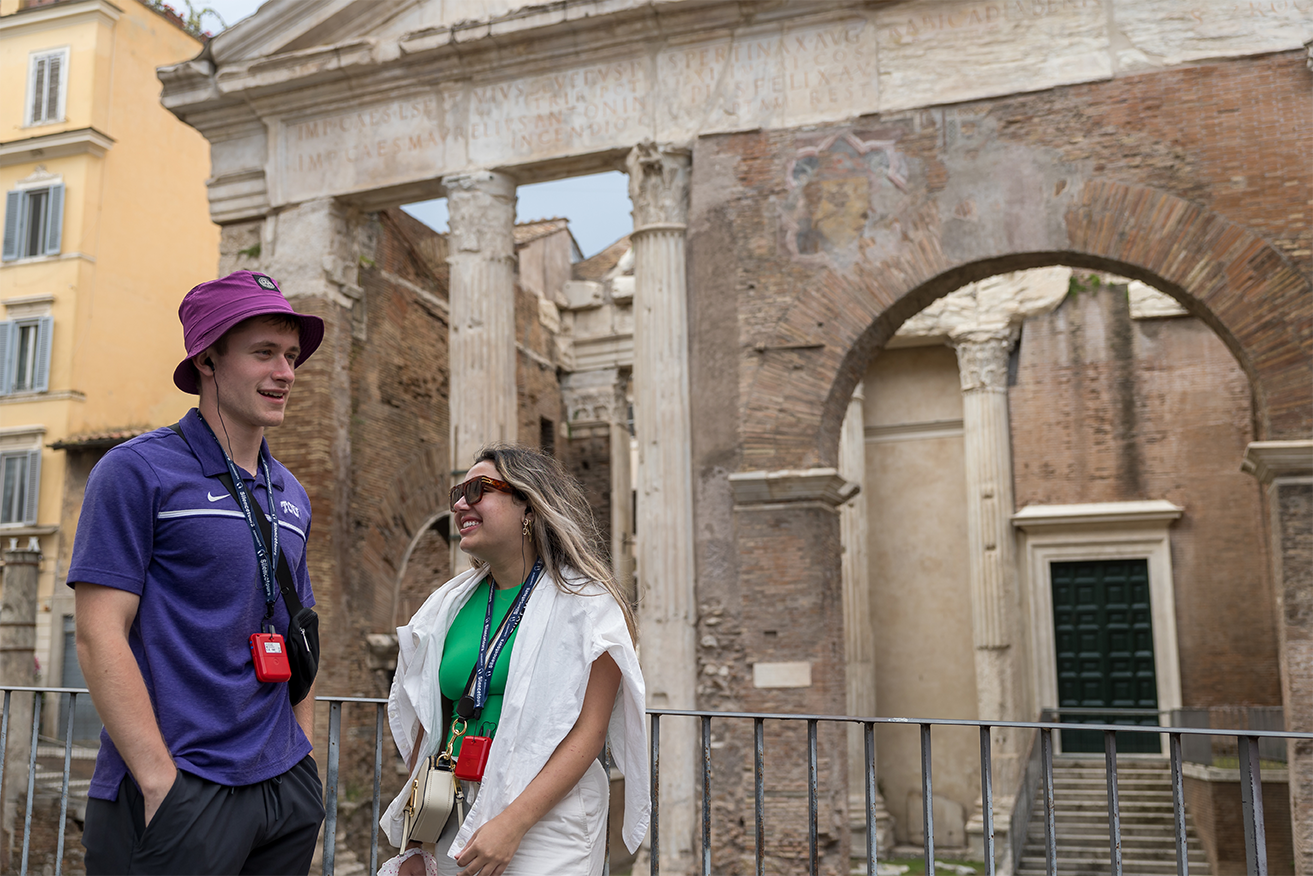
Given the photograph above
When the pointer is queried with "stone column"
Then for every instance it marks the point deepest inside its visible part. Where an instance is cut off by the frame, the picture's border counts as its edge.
(667, 610)
(18, 669)
(622, 485)
(1285, 470)
(858, 627)
(481, 205)
(982, 355)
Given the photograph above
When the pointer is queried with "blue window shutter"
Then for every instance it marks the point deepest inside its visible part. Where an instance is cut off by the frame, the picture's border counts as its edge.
(13, 219)
(33, 496)
(54, 219)
(7, 354)
(41, 380)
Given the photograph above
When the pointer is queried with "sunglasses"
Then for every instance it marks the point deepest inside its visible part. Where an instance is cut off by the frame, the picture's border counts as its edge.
(473, 489)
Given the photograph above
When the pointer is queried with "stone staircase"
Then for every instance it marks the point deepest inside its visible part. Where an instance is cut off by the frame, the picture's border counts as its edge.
(1144, 787)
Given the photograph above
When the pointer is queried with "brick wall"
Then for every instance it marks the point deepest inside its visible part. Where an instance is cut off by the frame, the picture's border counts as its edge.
(1110, 409)
(1217, 812)
(807, 248)
(367, 435)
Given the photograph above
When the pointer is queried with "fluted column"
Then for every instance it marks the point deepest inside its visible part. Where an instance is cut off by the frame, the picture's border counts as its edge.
(18, 669)
(982, 356)
(658, 187)
(481, 205)
(858, 625)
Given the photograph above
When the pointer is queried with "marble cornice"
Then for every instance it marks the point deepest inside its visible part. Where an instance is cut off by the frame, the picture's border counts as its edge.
(791, 486)
(525, 42)
(1274, 460)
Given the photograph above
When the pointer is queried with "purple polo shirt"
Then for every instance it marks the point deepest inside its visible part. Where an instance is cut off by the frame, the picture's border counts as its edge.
(156, 521)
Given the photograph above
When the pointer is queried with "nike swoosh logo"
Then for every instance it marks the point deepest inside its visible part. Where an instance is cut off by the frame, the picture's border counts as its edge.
(214, 498)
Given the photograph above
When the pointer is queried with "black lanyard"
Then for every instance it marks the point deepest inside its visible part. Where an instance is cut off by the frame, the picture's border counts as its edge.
(267, 558)
(471, 705)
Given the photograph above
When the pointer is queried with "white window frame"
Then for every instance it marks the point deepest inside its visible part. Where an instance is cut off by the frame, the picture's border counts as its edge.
(23, 445)
(34, 61)
(1101, 531)
(17, 216)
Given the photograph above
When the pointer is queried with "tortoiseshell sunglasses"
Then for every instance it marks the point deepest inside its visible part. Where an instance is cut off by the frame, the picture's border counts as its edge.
(473, 489)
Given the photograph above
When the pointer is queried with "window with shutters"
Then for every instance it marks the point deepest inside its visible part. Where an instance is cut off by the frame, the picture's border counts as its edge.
(34, 219)
(25, 355)
(20, 478)
(47, 78)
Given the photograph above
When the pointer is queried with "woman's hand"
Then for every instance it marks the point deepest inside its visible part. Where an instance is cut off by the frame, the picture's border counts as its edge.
(491, 848)
(412, 866)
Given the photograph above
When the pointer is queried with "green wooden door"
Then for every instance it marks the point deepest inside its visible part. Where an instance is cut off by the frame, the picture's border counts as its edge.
(1104, 641)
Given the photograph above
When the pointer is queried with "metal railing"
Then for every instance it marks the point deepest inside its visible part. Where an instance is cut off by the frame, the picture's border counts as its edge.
(1036, 781)
(1247, 742)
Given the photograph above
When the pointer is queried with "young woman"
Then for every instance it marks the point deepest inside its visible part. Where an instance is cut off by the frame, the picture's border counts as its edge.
(563, 676)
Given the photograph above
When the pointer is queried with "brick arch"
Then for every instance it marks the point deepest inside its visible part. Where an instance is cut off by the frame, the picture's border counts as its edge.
(1244, 289)
(416, 499)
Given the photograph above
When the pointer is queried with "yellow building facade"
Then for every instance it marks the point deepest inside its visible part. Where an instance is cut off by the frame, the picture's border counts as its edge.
(106, 226)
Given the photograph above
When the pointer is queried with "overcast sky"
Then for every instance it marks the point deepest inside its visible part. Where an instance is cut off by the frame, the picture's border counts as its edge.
(597, 206)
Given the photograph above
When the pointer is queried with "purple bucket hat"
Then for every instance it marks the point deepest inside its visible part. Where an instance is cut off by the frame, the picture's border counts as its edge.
(213, 307)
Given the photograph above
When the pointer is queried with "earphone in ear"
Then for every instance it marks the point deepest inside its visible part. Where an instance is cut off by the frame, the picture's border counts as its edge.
(209, 361)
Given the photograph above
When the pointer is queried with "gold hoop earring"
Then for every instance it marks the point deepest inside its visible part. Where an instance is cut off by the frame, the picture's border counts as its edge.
(525, 530)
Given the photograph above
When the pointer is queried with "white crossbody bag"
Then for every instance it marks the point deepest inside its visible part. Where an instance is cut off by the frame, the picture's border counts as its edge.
(433, 795)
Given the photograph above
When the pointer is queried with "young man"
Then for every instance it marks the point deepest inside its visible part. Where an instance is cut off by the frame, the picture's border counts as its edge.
(203, 767)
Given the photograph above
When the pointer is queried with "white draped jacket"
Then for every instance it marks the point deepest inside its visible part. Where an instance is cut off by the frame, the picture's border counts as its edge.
(559, 637)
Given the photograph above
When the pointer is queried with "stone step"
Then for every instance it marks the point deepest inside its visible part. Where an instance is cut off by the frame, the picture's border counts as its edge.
(1163, 771)
(1096, 868)
(1125, 807)
(1145, 849)
(1144, 783)
(1123, 797)
(1099, 840)
(1100, 829)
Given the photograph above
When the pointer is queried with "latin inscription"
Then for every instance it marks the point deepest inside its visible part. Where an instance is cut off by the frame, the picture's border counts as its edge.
(976, 17)
(404, 128)
(775, 77)
(956, 50)
(1162, 33)
(598, 104)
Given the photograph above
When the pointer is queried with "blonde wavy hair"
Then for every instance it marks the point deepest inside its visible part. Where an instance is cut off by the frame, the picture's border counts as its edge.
(563, 530)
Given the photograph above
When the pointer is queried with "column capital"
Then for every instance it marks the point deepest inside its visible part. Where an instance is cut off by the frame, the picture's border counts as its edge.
(982, 356)
(481, 207)
(658, 185)
(1274, 460)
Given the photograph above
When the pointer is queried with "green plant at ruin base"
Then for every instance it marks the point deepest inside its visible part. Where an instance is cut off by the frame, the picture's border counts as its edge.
(1077, 284)
(916, 865)
(251, 252)
(192, 20)
(366, 262)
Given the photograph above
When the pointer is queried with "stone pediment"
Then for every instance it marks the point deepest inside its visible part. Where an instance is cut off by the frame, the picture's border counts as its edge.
(283, 27)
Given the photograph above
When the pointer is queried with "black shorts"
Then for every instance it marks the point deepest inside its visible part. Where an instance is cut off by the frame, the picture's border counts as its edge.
(203, 827)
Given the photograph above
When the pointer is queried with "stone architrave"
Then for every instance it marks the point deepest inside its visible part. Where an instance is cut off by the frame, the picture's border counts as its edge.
(659, 189)
(858, 627)
(482, 289)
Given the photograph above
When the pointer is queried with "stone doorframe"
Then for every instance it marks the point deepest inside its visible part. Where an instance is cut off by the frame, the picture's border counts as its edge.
(1102, 531)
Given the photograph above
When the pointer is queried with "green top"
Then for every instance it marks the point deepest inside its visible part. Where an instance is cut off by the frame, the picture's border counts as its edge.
(462, 650)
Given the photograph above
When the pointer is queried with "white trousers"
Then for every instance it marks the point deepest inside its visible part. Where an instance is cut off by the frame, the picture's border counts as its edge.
(568, 841)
